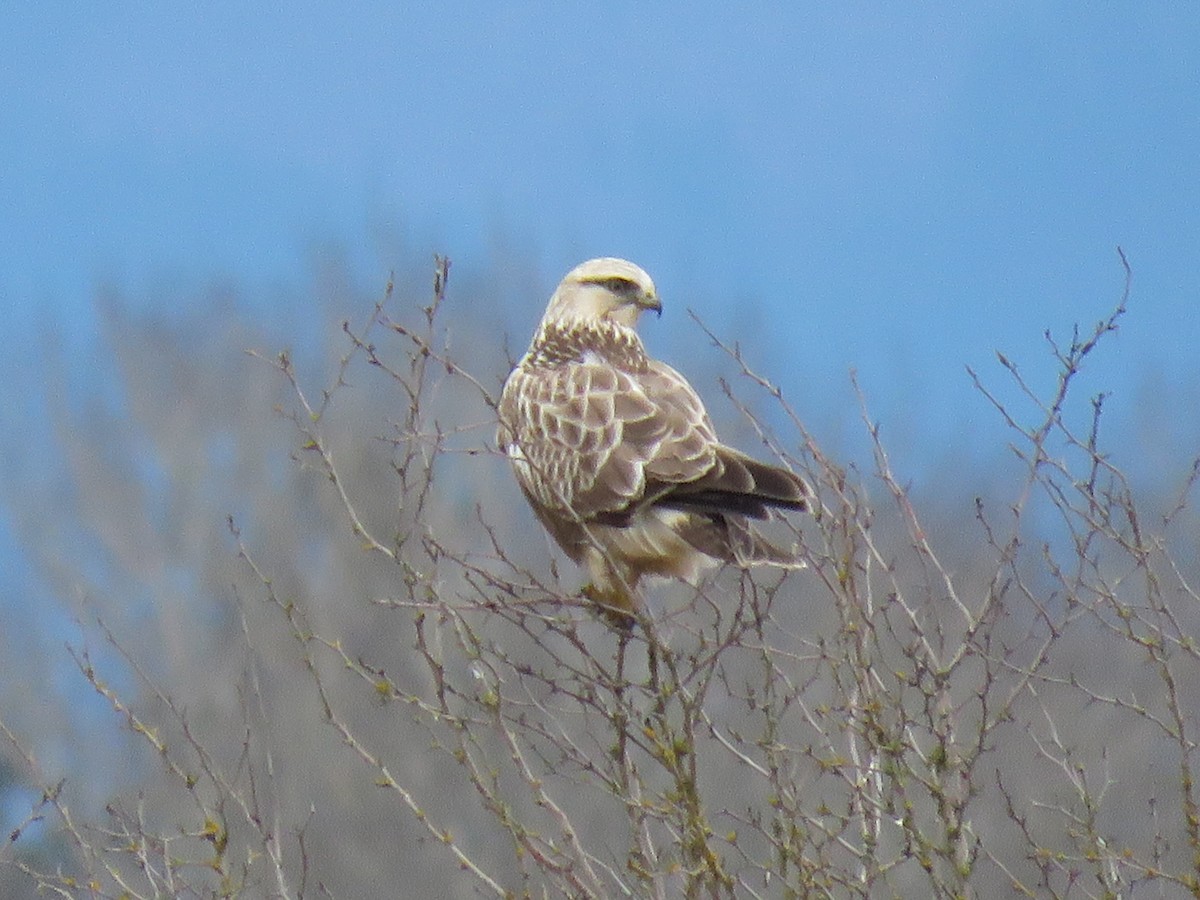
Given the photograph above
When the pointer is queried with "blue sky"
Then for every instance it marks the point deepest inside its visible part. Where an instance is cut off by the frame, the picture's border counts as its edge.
(895, 188)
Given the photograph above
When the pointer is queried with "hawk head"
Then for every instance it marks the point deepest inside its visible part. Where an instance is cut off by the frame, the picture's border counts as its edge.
(604, 289)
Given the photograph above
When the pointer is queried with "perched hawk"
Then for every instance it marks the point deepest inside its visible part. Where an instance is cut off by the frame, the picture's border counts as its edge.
(616, 454)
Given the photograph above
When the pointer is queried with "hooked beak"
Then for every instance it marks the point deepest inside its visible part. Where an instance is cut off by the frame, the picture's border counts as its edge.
(651, 302)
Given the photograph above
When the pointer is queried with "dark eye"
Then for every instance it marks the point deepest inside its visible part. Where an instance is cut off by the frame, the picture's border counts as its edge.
(619, 285)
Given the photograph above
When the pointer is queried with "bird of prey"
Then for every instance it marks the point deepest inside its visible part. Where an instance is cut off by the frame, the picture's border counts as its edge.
(617, 455)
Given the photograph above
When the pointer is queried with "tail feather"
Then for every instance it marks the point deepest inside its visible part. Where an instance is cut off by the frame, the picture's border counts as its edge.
(752, 549)
(734, 540)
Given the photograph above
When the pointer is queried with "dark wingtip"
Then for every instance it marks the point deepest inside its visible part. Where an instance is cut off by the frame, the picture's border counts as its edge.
(742, 485)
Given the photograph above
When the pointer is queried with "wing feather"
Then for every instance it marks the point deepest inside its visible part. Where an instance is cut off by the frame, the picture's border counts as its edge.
(694, 470)
(566, 425)
(597, 441)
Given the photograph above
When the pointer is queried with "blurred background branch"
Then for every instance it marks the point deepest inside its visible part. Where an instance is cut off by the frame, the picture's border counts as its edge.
(375, 678)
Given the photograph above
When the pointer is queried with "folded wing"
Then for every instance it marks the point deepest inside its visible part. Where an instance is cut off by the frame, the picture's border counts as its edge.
(599, 443)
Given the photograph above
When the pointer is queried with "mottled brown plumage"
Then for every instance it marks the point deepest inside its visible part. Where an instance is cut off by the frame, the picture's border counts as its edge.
(615, 451)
